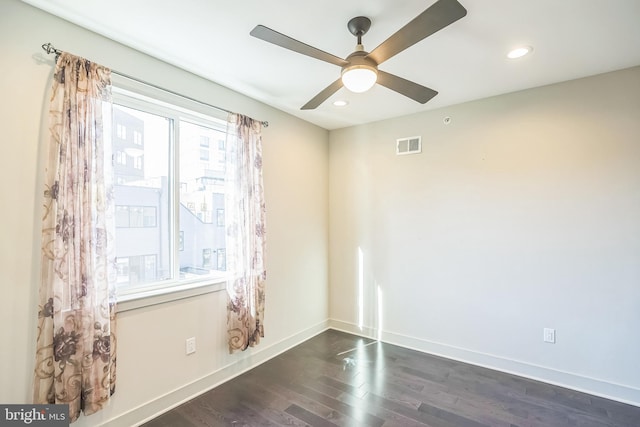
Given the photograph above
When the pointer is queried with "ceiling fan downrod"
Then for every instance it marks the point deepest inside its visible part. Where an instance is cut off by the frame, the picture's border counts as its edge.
(359, 26)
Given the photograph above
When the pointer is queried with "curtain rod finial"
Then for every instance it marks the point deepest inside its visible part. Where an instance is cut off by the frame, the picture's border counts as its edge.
(48, 47)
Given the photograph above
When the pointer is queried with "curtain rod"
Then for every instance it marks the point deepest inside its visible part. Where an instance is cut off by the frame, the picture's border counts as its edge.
(49, 48)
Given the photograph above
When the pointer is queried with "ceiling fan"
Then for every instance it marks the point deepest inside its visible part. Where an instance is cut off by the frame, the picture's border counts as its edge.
(360, 69)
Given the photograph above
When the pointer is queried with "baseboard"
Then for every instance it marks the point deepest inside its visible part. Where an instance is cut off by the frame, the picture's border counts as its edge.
(618, 392)
(168, 401)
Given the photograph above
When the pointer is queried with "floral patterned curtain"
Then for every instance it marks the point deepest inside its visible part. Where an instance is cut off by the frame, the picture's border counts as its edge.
(76, 346)
(245, 240)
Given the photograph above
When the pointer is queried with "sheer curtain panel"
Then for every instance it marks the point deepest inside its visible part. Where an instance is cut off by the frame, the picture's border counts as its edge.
(245, 239)
(76, 344)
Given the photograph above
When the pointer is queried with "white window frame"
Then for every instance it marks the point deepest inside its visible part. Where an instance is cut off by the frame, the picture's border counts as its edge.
(139, 96)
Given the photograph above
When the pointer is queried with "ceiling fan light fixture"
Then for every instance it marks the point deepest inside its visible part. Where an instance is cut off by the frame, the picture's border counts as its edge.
(359, 78)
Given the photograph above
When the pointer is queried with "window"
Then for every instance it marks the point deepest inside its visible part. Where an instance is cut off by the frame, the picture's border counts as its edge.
(136, 269)
(206, 258)
(167, 198)
(122, 216)
(121, 158)
(221, 259)
(136, 216)
(123, 270)
(149, 216)
(137, 137)
(121, 131)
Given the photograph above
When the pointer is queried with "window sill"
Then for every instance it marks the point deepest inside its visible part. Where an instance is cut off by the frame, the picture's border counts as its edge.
(165, 295)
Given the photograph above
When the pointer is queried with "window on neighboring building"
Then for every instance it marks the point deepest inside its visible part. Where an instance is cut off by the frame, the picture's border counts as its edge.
(121, 157)
(221, 259)
(122, 216)
(136, 216)
(220, 218)
(165, 203)
(123, 270)
(206, 258)
(149, 216)
(137, 269)
(121, 131)
(137, 137)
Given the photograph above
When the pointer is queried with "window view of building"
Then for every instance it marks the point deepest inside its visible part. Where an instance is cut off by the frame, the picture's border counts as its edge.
(201, 198)
(169, 214)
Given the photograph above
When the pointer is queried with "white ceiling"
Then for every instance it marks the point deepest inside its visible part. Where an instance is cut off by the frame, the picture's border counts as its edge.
(463, 62)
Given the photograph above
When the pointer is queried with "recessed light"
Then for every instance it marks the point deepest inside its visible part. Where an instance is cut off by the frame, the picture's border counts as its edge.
(340, 103)
(519, 52)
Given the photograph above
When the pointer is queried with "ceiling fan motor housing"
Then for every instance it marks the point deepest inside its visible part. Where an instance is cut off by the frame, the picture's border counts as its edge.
(359, 59)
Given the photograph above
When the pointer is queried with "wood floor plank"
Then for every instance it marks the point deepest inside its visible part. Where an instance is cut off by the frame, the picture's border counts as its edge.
(338, 379)
(391, 418)
(355, 412)
(308, 417)
(454, 418)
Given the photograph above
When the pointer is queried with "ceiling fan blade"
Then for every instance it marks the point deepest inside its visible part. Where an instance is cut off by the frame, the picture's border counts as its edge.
(436, 17)
(323, 96)
(405, 87)
(272, 36)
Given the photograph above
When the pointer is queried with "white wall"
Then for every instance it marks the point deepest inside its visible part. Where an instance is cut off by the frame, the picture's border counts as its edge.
(522, 213)
(152, 367)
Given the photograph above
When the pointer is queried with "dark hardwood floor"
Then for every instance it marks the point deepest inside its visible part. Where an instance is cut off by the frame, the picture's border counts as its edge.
(337, 379)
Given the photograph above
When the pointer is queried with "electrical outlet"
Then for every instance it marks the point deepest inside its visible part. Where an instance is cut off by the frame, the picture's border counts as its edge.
(191, 345)
(549, 335)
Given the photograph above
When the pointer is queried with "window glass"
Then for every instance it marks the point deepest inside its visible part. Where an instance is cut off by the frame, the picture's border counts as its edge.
(149, 216)
(200, 199)
(169, 195)
(122, 216)
(142, 197)
(221, 258)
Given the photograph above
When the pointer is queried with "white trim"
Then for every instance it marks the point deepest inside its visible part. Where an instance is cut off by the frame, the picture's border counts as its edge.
(253, 358)
(156, 407)
(594, 386)
(133, 301)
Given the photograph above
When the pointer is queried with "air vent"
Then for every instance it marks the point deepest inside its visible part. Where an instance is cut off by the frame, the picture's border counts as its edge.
(410, 145)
